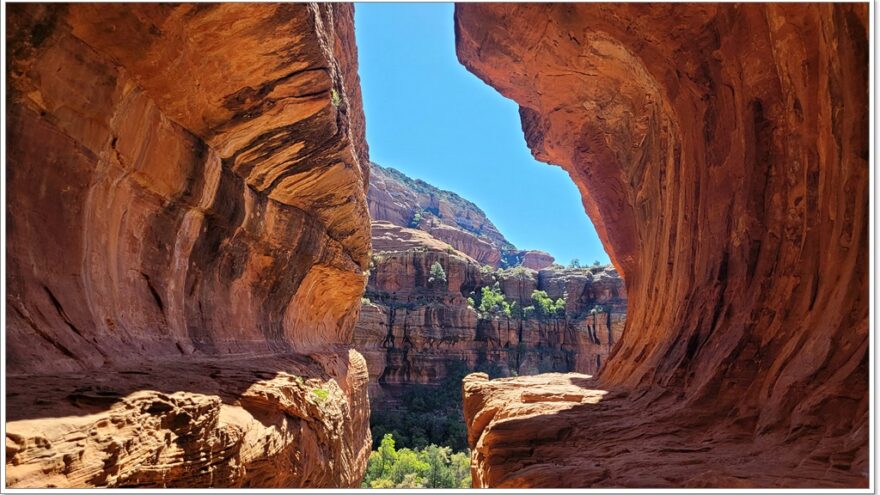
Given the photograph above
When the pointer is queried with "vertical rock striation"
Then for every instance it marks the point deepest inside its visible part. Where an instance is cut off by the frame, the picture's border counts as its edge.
(721, 151)
(187, 236)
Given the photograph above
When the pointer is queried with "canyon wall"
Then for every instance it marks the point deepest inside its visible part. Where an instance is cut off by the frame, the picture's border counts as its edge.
(421, 333)
(722, 153)
(187, 239)
(413, 330)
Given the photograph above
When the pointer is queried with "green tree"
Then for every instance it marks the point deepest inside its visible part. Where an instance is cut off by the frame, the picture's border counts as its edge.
(430, 467)
(437, 273)
(559, 307)
(411, 480)
(596, 263)
(381, 462)
(493, 303)
(544, 306)
(460, 467)
(416, 220)
(379, 483)
(575, 263)
(437, 459)
(408, 462)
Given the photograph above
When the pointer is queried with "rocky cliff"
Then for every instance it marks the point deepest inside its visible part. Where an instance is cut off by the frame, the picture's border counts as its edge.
(406, 202)
(415, 329)
(721, 151)
(187, 235)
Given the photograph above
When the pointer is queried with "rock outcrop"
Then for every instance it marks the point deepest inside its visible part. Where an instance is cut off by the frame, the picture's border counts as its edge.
(536, 260)
(187, 237)
(721, 151)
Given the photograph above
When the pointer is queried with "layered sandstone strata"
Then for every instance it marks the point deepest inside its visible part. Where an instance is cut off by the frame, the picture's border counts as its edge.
(393, 197)
(187, 236)
(721, 151)
(414, 331)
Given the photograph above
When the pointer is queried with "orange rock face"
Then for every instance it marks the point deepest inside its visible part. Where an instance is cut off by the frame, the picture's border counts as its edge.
(187, 236)
(721, 151)
(537, 260)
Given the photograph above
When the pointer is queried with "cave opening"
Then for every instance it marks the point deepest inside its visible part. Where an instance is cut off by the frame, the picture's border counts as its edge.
(186, 250)
(477, 245)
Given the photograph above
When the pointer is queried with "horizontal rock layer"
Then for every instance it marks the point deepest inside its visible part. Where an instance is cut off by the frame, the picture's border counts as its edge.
(185, 183)
(721, 151)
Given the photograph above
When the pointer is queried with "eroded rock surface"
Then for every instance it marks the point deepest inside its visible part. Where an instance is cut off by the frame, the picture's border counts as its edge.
(721, 151)
(186, 195)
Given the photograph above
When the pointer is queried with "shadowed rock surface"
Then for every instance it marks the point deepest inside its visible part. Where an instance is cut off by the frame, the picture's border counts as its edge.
(187, 236)
(721, 151)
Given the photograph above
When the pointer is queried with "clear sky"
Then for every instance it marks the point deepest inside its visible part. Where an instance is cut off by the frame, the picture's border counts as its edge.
(430, 118)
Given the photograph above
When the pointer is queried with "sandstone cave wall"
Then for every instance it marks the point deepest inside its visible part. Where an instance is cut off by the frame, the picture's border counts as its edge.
(722, 153)
(186, 183)
(175, 187)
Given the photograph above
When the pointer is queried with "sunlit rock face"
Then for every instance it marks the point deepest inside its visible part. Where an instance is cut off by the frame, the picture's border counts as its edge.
(721, 151)
(406, 202)
(415, 331)
(187, 235)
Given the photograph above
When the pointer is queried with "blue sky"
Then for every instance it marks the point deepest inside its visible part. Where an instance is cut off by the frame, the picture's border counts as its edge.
(430, 118)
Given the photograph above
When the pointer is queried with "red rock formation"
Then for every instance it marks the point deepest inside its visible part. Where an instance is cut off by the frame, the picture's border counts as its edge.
(536, 260)
(721, 151)
(414, 331)
(187, 230)
(394, 197)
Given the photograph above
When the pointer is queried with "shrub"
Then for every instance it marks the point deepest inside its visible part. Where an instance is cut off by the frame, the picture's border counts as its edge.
(320, 394)
(575, 263)
(437, 273)
(335, 99)
(560, 307)
(545, 306)
(416, 220)
(492, 302)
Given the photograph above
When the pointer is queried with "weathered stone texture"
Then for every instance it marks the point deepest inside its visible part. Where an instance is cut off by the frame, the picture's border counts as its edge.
(722, 153)
(186, 183)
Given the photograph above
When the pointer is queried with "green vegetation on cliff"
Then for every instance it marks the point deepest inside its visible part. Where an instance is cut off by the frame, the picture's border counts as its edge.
(492, 303)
